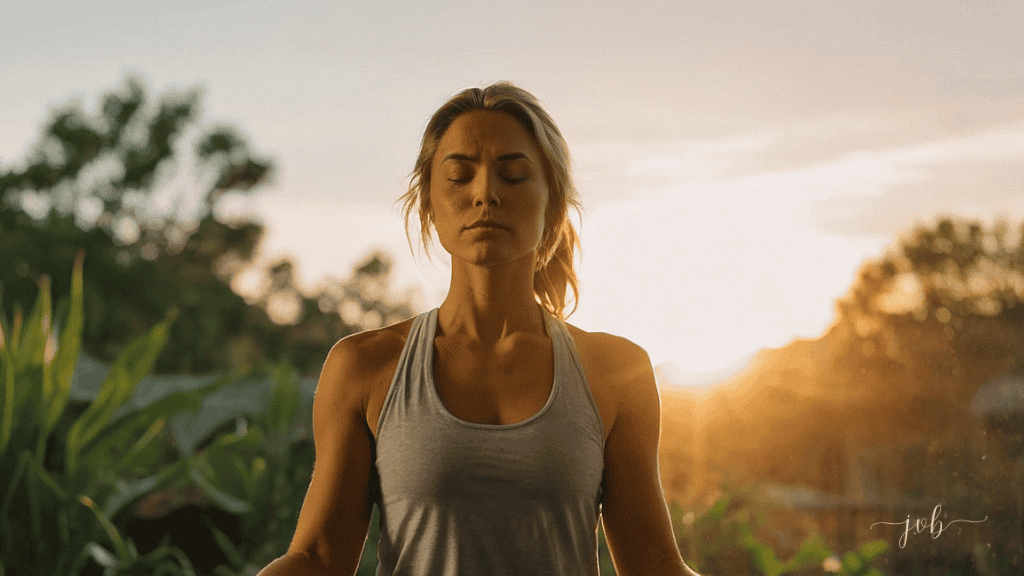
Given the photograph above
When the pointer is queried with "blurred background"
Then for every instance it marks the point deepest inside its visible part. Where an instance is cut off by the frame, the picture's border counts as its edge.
(810, 214)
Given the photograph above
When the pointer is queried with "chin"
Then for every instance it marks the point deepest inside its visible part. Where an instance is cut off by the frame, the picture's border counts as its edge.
(494, 259)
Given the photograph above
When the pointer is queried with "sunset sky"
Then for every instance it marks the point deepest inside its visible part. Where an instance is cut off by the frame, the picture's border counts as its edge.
(737, 160)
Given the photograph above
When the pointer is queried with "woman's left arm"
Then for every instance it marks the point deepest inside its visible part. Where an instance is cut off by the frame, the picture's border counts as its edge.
(636, 519)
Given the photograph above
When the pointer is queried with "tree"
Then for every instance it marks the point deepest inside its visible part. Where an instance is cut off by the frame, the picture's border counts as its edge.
(95, 181)
(114, 159)
(955, 276)
(932, 322)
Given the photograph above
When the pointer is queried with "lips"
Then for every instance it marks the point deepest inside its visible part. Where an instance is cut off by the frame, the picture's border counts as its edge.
(486, 223)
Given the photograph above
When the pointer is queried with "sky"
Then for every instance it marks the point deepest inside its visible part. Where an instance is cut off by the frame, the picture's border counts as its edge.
(738, 161)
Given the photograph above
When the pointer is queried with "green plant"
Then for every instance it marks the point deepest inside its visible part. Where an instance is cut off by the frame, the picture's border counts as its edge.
(50, 458)
(256, 472)
(125, 559)
(723, 540)
(858, 562)
(712, 541)
(812, 553)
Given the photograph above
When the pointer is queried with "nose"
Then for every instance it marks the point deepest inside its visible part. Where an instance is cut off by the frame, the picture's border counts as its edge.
(485, 191)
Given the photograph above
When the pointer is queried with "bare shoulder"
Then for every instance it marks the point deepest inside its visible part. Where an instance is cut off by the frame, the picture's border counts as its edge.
(364, 353)
(613, 359)
(359, 367)
(619, 372)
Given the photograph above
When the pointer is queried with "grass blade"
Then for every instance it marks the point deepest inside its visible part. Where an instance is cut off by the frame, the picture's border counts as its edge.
(6, 396)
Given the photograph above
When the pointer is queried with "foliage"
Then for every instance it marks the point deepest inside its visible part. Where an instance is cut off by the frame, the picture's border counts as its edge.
(94, 181)
(65, 475)
(959, 266)
(812, 552)
(858, 562)
(125, 560)
(960, 277)
(250, 472)
(723, 540)
(260, 472)
(937, 318)
(117, 158)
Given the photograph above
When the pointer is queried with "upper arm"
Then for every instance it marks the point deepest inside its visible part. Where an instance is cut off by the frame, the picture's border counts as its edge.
(335, 515)
(636, 519)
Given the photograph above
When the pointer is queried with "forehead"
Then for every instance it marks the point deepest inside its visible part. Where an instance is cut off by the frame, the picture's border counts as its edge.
(486, 132)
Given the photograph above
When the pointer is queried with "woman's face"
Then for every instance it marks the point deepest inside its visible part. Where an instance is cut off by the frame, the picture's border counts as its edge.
(488, 190)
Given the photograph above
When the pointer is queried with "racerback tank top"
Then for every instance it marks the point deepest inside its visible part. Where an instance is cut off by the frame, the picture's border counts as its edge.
(460, 498)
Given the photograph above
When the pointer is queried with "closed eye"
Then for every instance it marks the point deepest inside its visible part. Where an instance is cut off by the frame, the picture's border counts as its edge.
(508, 179)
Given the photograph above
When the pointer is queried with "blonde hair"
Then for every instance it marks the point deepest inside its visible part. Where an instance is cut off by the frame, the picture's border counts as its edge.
(555, 272)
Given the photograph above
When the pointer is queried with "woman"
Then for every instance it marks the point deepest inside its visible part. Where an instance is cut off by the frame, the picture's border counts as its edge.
(492, 434)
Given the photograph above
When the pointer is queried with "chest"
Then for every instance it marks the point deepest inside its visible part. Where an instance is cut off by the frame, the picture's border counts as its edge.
(502, 384)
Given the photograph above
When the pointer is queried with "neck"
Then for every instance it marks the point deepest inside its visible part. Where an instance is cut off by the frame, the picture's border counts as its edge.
(488, 303)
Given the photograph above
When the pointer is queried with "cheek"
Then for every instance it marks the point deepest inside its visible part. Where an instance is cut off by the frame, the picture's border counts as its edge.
(443, 216)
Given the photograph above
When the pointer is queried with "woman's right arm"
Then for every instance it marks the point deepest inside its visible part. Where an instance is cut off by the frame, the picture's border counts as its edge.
(335, 514)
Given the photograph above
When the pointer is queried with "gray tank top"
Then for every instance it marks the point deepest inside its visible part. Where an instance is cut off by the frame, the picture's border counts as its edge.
(460, 498)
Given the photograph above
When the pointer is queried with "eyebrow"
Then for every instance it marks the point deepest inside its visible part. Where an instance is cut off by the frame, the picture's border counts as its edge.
(503, 158)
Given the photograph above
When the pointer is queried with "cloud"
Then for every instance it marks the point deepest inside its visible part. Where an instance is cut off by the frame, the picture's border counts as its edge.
(976, 175)
(859, 176)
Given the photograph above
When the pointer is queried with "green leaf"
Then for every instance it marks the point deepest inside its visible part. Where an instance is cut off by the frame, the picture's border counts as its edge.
(12, 489)
(812, 552)
(15, 343)
(46, 390)
(128, 425)
(764, 557)
(231, 552)
(126, 492)
(218, 496)
(37, 327)
(44, 476)
(716, 514)
(233, 464)
(285, 401)
(122, 548)
(63, 366)
(168, 560)
(6, 396)
(134, 363)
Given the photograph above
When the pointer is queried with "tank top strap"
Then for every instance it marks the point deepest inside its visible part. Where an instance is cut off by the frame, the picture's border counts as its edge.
(408, 391)
(569, 370)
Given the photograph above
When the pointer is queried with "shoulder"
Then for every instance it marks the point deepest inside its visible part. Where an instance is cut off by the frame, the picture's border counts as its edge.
(358, 365)
(619, 372)
(614, 359)
(364, 352)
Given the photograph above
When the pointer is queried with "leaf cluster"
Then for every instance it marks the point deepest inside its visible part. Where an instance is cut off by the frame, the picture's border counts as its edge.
(65, 474)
